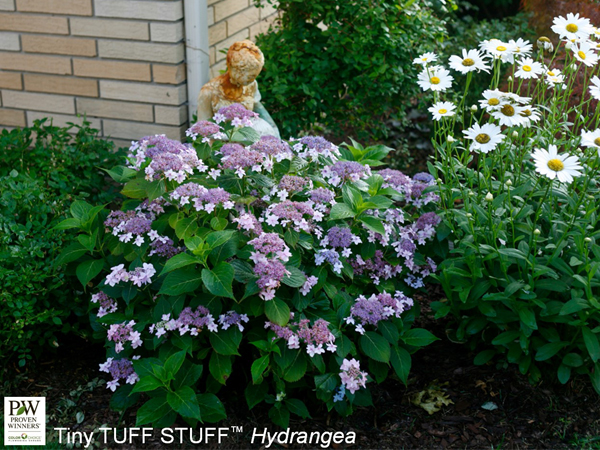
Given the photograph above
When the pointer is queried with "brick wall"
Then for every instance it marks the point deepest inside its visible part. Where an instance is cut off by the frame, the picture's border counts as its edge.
(121, 62)
(234, 20)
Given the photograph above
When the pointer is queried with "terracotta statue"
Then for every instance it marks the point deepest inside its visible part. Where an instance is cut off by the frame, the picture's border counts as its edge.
(238, 85)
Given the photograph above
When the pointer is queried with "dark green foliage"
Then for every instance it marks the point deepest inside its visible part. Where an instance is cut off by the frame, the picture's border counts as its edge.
(43, 169)
(344, 65)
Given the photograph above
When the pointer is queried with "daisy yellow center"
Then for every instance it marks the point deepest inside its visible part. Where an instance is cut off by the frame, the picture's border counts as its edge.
(527, 68)
(443, 111)
(556, 165)
(526, 113)
(581, 54)
(493, 101)
(572, 28)
(482, 138)
(468, 62)
(435, 80)
(424, 59)
(501, 48)
(508, 110)
(551, 73)
(544, 39)
(597, 141)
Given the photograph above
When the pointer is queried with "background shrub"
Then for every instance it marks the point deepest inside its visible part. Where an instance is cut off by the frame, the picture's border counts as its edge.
(43, 170)
(345, 65)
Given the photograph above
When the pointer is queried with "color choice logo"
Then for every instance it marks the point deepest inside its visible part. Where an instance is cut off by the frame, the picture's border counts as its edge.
(24, 420)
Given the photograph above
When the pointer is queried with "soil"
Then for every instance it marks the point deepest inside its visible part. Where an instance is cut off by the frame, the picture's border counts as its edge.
(543, 416)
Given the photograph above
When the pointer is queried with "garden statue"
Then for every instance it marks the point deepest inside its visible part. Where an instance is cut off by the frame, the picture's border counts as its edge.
(238, 85)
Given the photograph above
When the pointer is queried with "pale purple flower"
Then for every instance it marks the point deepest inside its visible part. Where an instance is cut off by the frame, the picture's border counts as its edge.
(207, 130)
(308, 285)
(274, 147)
(236, 114)
(249, 223)
(343, 171)
(351, 375)
(314, 146)
(121, 333)
(233, 318)
(107, 304)
(117, 274)
(120, 369)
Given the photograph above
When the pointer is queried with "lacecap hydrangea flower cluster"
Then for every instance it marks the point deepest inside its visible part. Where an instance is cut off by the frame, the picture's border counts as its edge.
(275, 213)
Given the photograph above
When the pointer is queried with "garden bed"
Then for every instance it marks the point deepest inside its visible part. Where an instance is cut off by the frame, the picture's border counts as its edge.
(543, 416)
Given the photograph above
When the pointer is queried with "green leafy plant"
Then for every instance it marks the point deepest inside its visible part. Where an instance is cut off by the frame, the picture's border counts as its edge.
(43, 169)
(279, 268)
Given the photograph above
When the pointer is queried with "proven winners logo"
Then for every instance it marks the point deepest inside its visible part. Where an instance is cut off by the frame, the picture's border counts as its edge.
(24, 420)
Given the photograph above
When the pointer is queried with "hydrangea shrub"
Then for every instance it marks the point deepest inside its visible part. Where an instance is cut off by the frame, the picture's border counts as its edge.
(282, 267)
(518, 182)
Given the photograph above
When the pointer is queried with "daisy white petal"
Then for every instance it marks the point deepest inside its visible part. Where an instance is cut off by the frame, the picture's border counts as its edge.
(435, 78)
(471, 60)
(585, 53)
(572, 27)
(485, 138)
(595, 87)
(528, 68)
(591, 138)
(425, 59)
(554, 165)
(442, 109)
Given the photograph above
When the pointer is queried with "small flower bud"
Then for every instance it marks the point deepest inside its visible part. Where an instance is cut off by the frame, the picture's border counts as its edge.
(450, 139)
(474, 108)
(544, 43)
(508, 183)
(510, 79)
(489, 197)
(469, 215)
(536, 232)
(587, 239)
(471, 193)
(439, 181)
(515, 134)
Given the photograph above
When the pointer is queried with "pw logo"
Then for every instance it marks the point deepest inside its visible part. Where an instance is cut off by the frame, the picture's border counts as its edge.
(26, 407)
(24, 421)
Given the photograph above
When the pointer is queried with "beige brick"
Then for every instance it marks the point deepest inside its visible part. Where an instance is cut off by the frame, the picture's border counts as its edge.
(267, 11)
(35, 63)
(212, 55)
(227, 8)
(212, 2)
(166, 32)
(61, 120)
(217, 33)
(33, 23)
(98, 68)
(39, 102)
(171, 115)
(155, 10)
(210, 15)
(219, 55)
(67, 7)
(58, 45)
(142, 51)
(135, 130)
(114, 29)
(60, 85)
(10, 80)
(141, 92)
(115, 109)
(239, 36)
(7, 5)
(215, 70)
(12, 117)
(169, 74)
(261, 27)
(242, 20)
(9, 41)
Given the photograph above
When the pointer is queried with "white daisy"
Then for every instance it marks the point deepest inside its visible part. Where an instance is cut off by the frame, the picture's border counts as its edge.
(528, 68)
(492, 99)
(551, 164)
(595, 89)
(435, 78)
(485, 138)
(509, 115)
(471, 60)
(498, 49)
(442, 109)
(584, 52)
(514, 98)
(544, 43)
(531, 116)
(596, 32)
(521, 47)
(425, 59)
(591, 138)
(573, 27)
